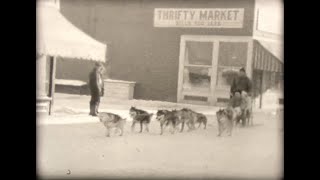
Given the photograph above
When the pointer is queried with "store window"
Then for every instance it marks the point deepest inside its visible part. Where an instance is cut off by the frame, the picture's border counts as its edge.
(208, 65)
(196, 79)
(232, 56)
(197, 66)
(198, 53)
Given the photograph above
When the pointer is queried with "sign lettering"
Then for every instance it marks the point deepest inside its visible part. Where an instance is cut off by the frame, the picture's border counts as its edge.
(199, 18)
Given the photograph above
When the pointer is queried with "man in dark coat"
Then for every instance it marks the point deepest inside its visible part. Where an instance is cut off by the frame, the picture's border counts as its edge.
(240, 91)
(96, 85)
(241, 83)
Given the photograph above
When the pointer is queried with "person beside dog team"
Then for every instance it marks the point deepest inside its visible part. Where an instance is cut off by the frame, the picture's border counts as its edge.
(96, 85)
(241, 84)
(240, 92)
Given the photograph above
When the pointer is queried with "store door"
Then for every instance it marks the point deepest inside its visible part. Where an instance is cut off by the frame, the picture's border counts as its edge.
(207, 65)
(197, 69)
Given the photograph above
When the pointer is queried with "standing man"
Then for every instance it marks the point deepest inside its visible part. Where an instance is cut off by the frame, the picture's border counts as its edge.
(96, 88)
(243, 85)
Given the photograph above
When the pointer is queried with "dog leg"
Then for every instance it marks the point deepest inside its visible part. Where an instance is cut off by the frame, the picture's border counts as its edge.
(219, 129)
(251, 119)
(121, 129)
(224, 128)
(133, 125)
(238, 121)
(244, 118)
(173, 127)
(243, 122)
(182, 126)
(229, 128)
(199, 125)
(193, 125)
(147, 127)
(141, 127)
(161, 127)
(176, 128)
(189, 126)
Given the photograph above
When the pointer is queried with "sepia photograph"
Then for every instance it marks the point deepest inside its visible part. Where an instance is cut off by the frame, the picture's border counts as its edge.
(159, 89)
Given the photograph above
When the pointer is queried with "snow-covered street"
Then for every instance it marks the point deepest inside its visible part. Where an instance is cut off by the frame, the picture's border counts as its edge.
(73, 150)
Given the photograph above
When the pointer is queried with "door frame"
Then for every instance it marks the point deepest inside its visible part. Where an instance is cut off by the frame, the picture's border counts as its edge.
(212, 98)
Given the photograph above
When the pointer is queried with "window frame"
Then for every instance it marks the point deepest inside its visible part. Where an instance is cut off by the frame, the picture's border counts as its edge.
(216, 91)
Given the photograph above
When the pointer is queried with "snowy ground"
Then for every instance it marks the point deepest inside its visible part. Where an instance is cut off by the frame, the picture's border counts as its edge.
(70, 109)
(74, 150)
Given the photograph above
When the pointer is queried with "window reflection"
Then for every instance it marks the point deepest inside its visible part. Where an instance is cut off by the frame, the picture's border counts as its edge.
(195, 78)
(232, 56)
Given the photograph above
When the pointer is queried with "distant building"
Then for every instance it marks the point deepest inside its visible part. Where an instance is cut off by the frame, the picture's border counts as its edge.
(178, 51)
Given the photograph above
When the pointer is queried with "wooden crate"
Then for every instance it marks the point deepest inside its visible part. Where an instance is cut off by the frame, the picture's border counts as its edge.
(118, 89)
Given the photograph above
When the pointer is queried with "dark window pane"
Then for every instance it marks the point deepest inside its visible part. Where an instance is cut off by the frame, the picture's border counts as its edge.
(233, 54)
(223, 100)
(196, 98)
(198, 53)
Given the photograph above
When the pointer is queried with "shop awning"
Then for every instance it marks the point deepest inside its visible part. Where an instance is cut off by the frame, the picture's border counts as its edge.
(56, 36)
(268, 55)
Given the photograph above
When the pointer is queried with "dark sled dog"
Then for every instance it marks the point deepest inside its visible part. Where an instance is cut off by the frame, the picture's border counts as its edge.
(140, 116)
(167, 118)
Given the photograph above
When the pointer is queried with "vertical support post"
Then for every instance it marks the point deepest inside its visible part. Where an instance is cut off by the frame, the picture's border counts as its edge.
(41, 75)
(249, 59)
(264, 86)
(215, 58)
(53, 62)
(42, 98)
(181, 68)
(261, 89)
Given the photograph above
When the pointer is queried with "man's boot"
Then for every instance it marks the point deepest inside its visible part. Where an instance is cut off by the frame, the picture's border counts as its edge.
(95, 109)
(91, 109)
(244, 118)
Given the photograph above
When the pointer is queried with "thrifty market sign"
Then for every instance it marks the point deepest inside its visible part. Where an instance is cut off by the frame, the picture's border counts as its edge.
(199, 18)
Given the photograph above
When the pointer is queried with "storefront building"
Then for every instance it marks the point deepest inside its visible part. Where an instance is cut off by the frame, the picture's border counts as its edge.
(179, 51)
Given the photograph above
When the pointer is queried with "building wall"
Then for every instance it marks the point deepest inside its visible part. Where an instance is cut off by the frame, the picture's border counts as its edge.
(138, 51)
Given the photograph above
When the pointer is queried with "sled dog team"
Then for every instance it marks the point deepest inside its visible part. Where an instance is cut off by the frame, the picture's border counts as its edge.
(175, 118)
